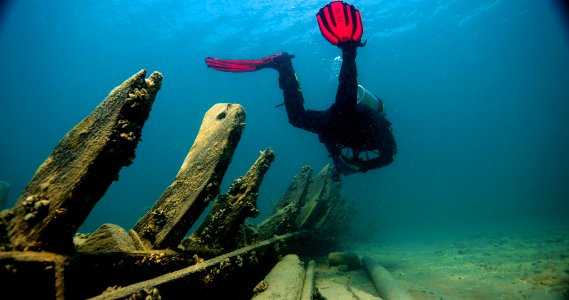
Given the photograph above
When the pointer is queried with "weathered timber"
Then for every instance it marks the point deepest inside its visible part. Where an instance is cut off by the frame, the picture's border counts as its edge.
(223, 225)
(284, 282)
(4, 189)
(308, 290)
(284, 215)
(197, 181)
(78, 172)
(229, 275)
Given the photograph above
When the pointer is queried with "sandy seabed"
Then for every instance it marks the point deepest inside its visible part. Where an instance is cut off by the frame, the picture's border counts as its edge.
(514, 266)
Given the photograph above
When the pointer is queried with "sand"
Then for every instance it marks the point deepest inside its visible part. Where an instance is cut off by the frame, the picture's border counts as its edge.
(521, 266)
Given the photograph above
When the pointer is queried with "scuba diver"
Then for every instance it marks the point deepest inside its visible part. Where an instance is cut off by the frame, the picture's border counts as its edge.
(354, 129)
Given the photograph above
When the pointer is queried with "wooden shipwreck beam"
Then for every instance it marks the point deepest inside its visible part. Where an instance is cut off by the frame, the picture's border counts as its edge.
(198, 180)
(81, 167)
(222, 227)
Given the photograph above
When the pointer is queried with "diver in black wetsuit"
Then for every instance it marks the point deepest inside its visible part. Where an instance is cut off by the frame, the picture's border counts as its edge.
(358, 137)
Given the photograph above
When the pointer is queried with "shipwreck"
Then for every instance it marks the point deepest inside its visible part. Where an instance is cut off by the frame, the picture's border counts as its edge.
(42, 256)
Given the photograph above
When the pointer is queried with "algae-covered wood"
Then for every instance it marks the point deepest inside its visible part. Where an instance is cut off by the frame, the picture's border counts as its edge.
(81, 167)
(197, 181)
(221, 228)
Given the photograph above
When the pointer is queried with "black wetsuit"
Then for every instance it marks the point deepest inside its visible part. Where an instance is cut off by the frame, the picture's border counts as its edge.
(345, 126)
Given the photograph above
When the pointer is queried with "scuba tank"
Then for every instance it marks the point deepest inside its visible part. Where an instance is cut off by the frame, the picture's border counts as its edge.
(366, 98)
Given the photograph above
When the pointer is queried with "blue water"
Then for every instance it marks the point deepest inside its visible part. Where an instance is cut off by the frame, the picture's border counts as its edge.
(477, 91)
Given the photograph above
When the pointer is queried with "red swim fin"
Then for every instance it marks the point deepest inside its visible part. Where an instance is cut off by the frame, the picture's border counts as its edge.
(340, 22)
(243, 65)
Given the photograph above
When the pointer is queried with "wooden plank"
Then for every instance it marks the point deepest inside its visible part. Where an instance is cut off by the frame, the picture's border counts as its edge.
(81, 167)
(197, 181)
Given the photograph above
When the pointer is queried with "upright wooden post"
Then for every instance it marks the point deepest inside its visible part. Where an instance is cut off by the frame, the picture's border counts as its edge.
(198, 180)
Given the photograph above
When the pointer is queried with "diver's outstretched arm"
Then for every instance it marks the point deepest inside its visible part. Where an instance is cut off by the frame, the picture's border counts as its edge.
(346, 95)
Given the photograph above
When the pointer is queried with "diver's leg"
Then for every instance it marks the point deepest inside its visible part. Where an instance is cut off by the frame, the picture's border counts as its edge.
(346, 95)
(298, 116)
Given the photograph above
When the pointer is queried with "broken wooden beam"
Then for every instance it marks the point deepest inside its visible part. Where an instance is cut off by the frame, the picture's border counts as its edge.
(197, 181)
(228, 275)
(222, 227)
(81, 167)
